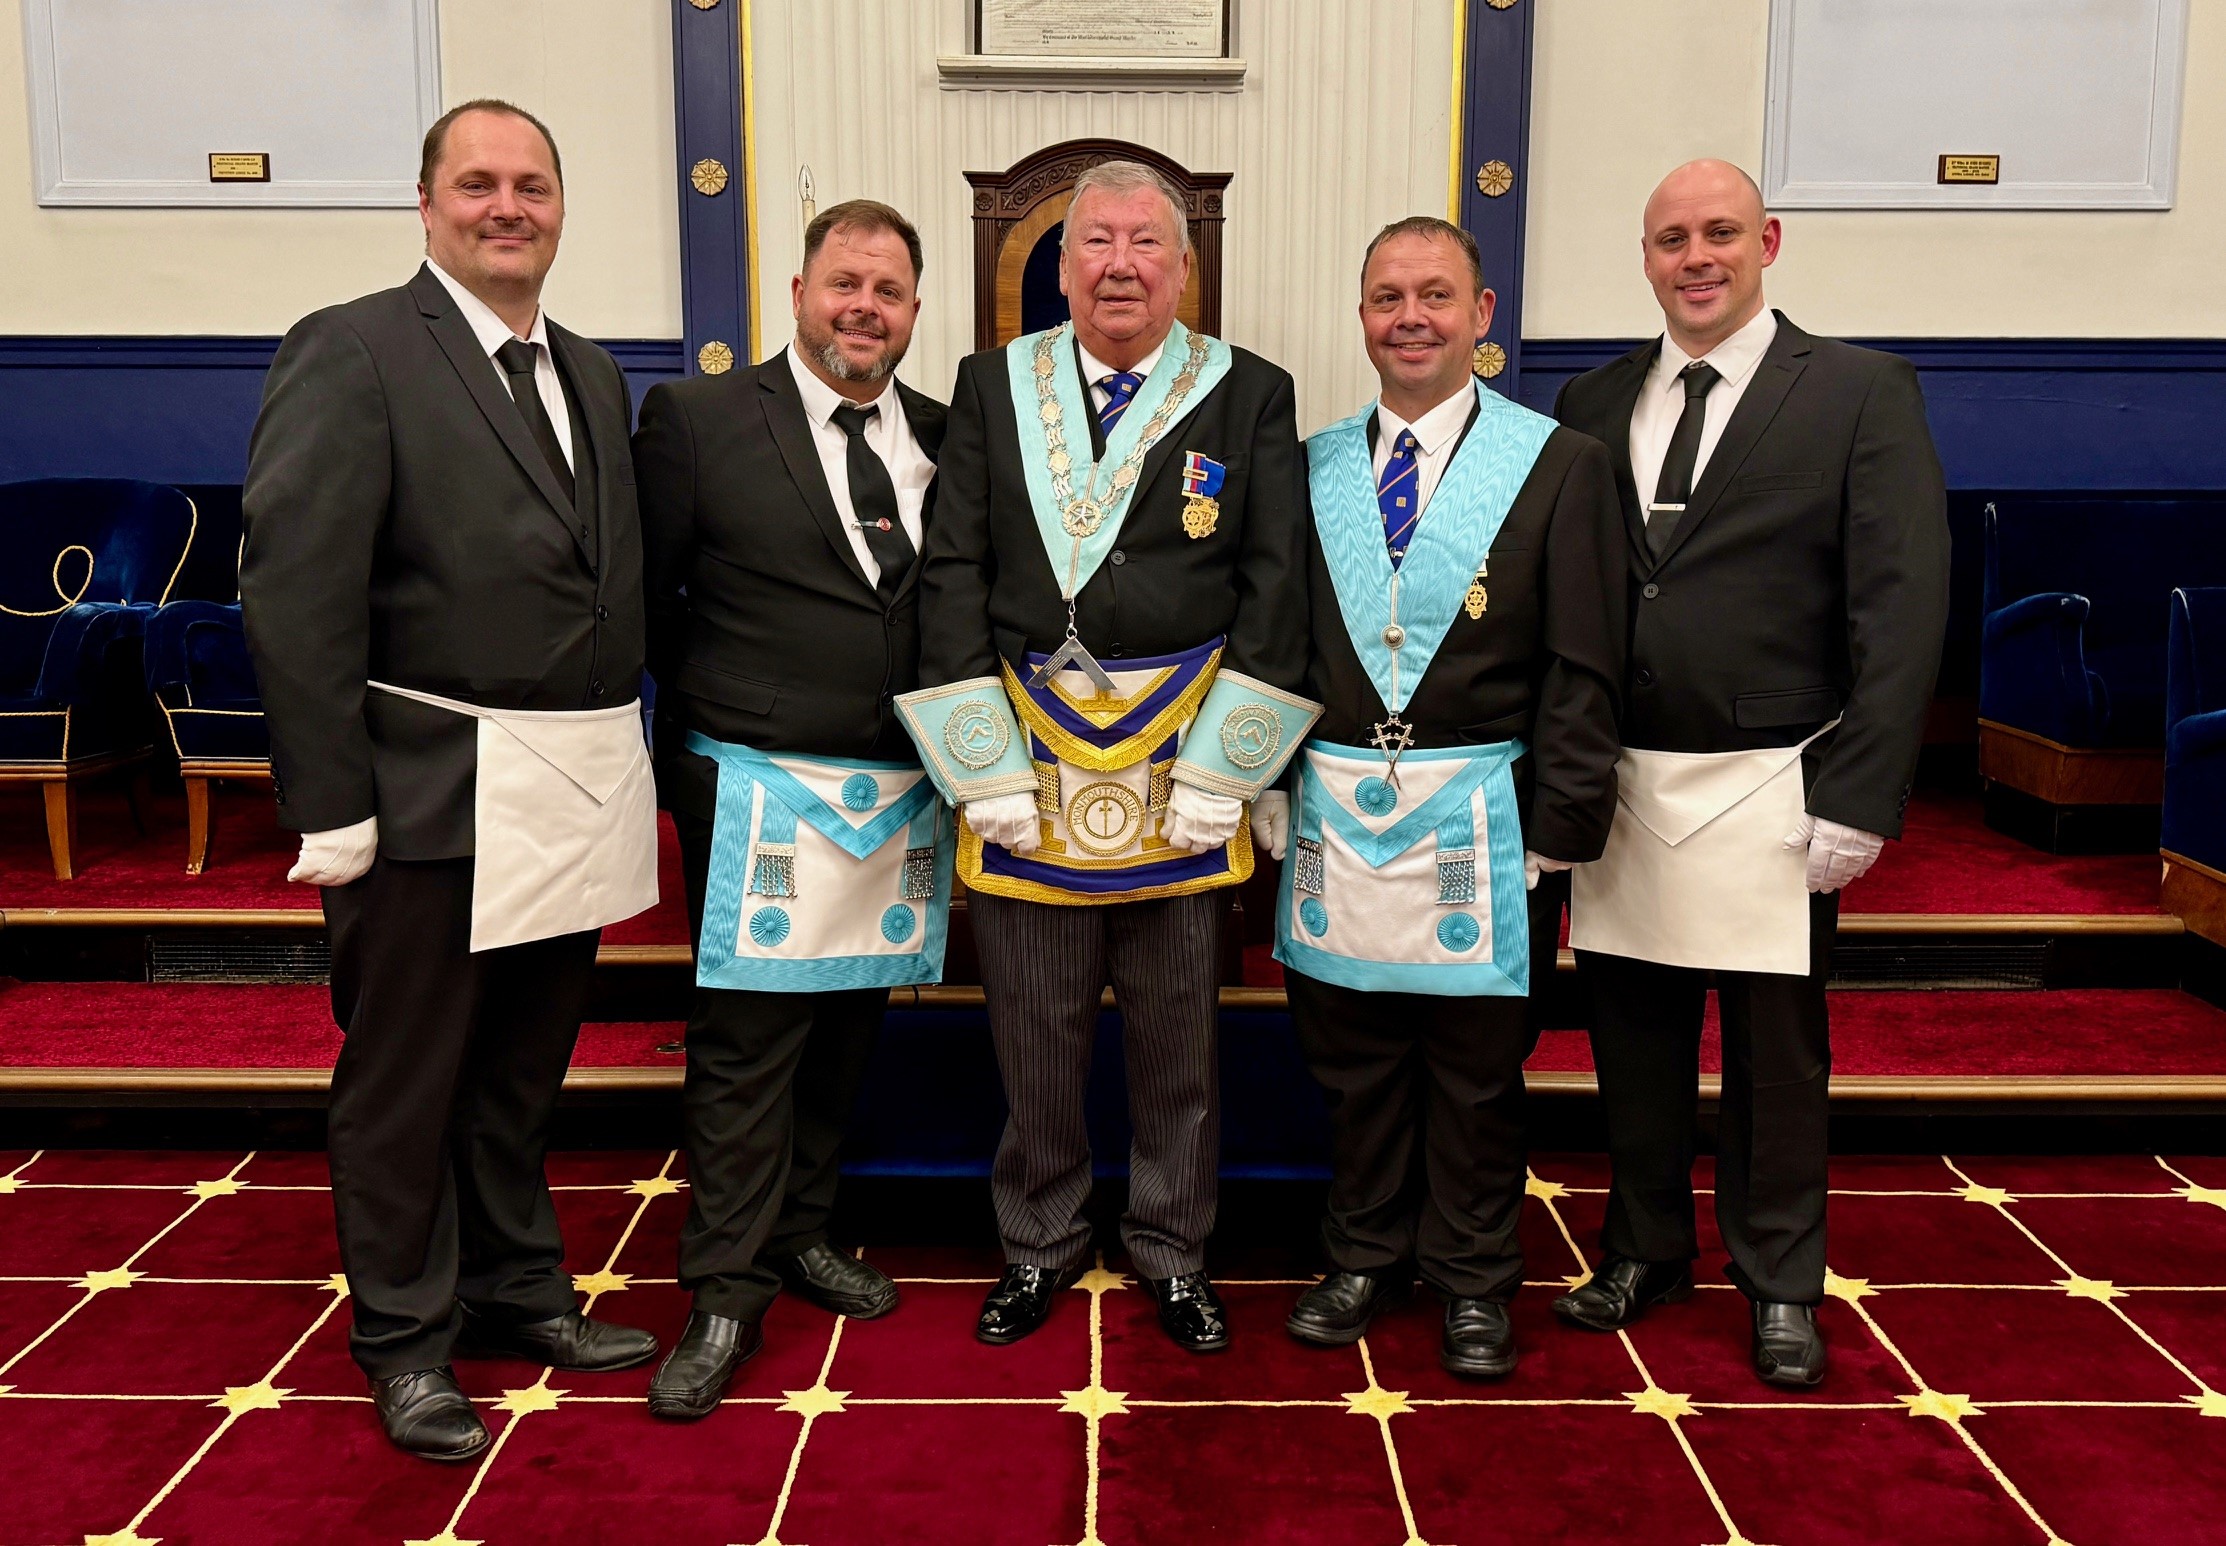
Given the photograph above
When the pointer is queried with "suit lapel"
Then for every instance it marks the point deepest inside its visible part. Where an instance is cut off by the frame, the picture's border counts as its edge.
(461, 345)
(1780, 367)
(1621, 406)
(792, 433)
(925, 418)
(609, 441)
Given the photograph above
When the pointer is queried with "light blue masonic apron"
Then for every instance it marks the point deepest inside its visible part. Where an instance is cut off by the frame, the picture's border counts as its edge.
(826, 873)
(1405, 873)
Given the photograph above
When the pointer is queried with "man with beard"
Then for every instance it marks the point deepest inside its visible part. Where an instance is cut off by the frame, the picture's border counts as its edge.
(1113, 636)
(783, 508)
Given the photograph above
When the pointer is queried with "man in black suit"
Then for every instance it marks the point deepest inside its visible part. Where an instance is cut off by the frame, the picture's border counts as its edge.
(1113, 624)
(1788, 589)
(783, 506)
(1467, 592)
(443, 557)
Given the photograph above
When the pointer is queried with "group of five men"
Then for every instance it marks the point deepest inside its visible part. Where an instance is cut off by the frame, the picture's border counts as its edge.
(1087, 641)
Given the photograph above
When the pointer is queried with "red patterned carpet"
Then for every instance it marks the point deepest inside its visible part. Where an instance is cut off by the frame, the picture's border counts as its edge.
(2024, 1351)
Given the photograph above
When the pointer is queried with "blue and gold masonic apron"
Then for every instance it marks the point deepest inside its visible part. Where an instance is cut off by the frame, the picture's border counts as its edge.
(826, 873)
(1406, 866)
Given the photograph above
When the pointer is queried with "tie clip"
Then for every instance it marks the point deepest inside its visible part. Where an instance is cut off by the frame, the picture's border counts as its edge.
(1659, 509)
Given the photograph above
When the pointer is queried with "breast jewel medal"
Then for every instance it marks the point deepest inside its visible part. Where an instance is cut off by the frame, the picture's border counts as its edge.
(1476, 600)
(1202, 479)
(1392, 735)
(1081, 515)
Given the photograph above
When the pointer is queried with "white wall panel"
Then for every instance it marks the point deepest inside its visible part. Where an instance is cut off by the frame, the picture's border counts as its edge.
(1341, 124)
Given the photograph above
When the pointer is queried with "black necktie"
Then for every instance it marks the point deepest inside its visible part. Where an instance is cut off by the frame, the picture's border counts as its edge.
(517, 357)
(1674, 488)
(873, 500)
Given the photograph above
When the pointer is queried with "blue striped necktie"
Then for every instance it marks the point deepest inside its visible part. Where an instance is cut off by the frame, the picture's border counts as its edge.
(1120, 390)
(1397, 495)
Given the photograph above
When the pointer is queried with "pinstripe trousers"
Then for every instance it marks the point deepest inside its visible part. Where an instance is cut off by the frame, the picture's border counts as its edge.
(1043, 967)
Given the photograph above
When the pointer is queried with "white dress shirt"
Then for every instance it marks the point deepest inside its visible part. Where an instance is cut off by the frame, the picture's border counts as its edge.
(888, 434)
(1662, 400)
(1436, 432)
(492, 333)
(1095, 370)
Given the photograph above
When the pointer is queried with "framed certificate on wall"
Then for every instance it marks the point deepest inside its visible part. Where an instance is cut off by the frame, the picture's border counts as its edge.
(230, 102)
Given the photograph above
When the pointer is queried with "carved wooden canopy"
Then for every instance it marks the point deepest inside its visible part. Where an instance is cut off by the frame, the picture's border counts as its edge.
(1016, 208)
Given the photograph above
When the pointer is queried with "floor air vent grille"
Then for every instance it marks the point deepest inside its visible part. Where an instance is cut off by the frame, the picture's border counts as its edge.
(1940, 965)
(217, 958)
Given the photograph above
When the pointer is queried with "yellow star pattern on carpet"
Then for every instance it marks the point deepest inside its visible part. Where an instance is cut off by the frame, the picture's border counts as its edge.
(1936, 1403)
(7, 1185)
(262, 1397)
(1993, 1196)
(604, 1282)
(534, 1398)
(1576, 1279)
(226, 1187)
(127, 1538)
(1095, 1401)
(1853, 1290)
(1099, 1281)
(2214, 1195)
(1657, 1402)
(1376, 1401)
(816, 1402)
(445, 1538)
(2210, 1403)
(655, 1186)
(1544, 1191)
(337, 1283)
(114, 1277)
(2090, 1288)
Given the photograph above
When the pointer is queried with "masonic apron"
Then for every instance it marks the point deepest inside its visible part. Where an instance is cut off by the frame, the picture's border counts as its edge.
(826, 873)
(564, 815)
(1696, 872)
(1406, 865)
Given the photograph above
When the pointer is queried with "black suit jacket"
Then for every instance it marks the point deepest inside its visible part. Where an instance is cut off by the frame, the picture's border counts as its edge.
(1807, 578)
(763, 630)
(988, 588)
(1544, 664)
(403, 527)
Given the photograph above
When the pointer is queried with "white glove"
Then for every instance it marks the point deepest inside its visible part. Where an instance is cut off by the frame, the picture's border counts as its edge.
(1837, 854)
(1008, 820)
(1200, 820)
(1271, 822)
(336, 857)
(1535, 865)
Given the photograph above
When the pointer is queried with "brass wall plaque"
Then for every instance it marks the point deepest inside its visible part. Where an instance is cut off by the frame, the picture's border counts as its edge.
(239, 166)
(709, 176)
(715, 358)
(1494, 178)
(1971, 169)
(1488, 360)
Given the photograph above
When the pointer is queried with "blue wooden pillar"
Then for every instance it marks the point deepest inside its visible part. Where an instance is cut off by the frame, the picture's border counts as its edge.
(1493, 173)
(714, 213)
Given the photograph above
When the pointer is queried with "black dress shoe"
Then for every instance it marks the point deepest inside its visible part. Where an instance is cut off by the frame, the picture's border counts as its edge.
(426, 1415)
(1190, 1312)
(693, 1379)
(837, 1281)
(1479, 1340)
(1788, 1349)
(1336, 1311)
(569, 1341)
(1021, 1302)
(1622, 1290)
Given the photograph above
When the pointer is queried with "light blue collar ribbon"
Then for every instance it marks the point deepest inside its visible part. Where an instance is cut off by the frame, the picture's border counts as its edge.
(1466, 511)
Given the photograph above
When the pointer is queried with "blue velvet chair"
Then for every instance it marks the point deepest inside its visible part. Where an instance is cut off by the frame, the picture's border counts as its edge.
(2071, 653)
(199, 673)
(84, 562)
(2194, 834)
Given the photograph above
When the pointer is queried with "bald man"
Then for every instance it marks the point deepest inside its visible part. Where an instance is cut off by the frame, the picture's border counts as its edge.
(1788, 589)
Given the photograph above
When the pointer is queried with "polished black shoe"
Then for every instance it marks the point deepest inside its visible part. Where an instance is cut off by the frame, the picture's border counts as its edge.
(1622, 1290)
(837, 1281)
(568, 1341)
(1336, 1311)
(425, 1415)
(1479, 1340)
(1190, 1312)
(1788, 1349)
(1021, 1302)
(693, 1379)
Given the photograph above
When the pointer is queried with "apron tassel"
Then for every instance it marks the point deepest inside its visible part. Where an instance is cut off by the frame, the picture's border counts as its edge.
(774, 872)
(1456, 877)
(1047, 790)
(1306, 869)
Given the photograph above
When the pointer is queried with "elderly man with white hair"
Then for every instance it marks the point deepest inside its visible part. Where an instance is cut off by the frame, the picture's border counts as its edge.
(1113, 636)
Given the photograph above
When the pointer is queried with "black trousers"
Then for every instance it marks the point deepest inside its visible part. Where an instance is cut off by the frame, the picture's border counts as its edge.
(1043, 967)
(440, 1110)
(772, 1079)
(1772, 1126)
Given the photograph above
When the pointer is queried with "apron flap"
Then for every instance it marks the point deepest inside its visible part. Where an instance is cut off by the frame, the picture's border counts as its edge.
(1675, 794)
(595, 754)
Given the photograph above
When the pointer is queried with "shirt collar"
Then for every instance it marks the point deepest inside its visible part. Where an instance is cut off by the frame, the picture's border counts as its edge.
(491, 331)
(1095, 370)
(821, 400)
(1433, 430)
(1734, 359)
